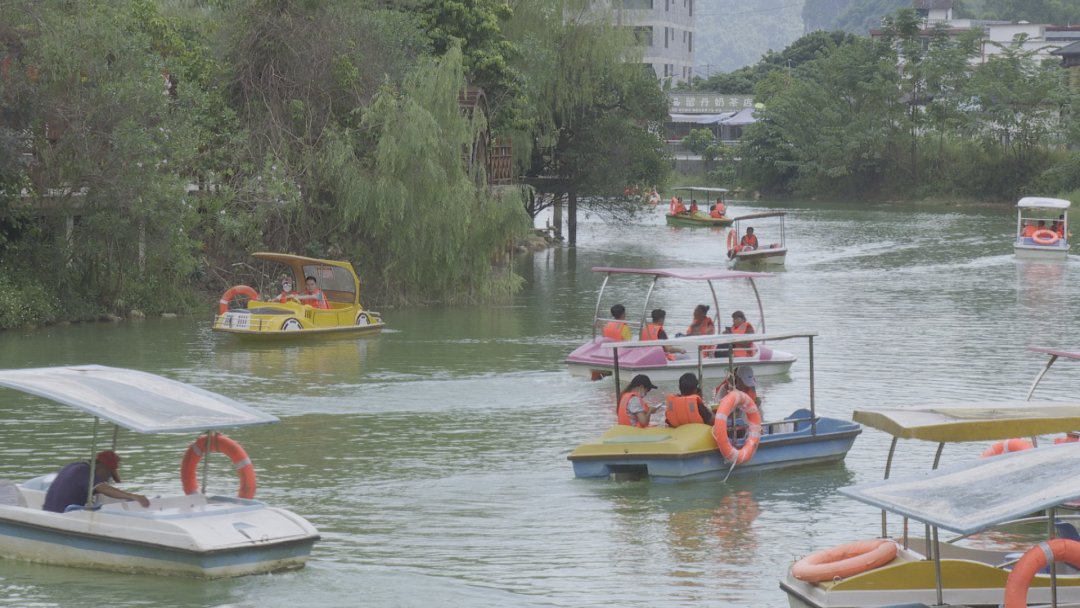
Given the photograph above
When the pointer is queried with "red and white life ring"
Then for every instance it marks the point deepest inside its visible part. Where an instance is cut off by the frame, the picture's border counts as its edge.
(1036, 558)
(230, 295)
(1006, 446)
(737, 400)
(845, 560)
(732, 240)
(222, 445)
(1045, 237)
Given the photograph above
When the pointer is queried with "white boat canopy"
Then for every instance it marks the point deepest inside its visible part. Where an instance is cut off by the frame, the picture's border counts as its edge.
(137, 401)
(969, 497)
(987, 421)
(686, 274)
(761, 214)
(695, 189)
(714, 340)
(1038, 202)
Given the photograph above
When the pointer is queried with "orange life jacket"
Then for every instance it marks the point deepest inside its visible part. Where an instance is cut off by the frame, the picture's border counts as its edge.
(748, 347)
(749, 240)
(716, 213)
(318, 302)
(678, 208)
(683, 410)
(625, 418)
(651, 331)
(1028, 231)
(704, 328)
(721, 207)
(615, 330)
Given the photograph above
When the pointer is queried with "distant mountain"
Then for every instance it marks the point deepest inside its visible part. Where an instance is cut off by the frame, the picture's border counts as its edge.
(735, 33)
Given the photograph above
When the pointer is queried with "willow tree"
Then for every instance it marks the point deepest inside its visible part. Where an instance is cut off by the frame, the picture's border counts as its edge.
(413, 205)
(595, 109)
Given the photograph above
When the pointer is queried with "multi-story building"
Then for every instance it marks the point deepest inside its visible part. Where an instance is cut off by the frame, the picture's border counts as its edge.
(665, 31)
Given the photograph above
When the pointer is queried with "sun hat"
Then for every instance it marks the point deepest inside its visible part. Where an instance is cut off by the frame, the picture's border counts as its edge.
(746, 375)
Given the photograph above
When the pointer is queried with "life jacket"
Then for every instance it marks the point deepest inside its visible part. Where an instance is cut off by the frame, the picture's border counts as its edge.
(704, 328)
(693, 207)
(651, 331)
(1028, 231)
(625, 418)
(284, 296)
(749, 240)
(318, 302)
(616, 330)
(716, 213)
(721, 207)
(748, 347)
(678, 208)
(1059, 228)
(683, 410)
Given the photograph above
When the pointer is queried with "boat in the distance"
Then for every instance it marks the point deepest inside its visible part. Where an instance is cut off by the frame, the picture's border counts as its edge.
(188, 534)
(694, 451)
(771, 250)
(243, 312)
(1042, 229)
(699, 216)
(591, 360)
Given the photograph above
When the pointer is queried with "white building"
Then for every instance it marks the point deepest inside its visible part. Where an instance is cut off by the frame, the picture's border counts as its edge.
(665, 30)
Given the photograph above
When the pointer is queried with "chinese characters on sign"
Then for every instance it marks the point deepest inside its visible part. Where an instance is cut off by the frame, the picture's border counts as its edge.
(709, 103)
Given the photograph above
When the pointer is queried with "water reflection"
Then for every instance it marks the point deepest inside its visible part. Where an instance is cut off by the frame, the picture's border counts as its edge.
(1040, 284)
(333, 356)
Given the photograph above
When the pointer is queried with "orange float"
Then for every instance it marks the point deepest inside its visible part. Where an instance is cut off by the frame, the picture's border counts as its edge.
(230, 295)
(845, 560)
(737, 400)
(1036, 558)
(1009, 445)
(1045, 237)
(222, 445)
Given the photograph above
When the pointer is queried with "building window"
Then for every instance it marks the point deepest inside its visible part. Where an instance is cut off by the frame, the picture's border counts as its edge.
(690, 41)
(667, 36)
(667, 5)
(643, 35)
(691, 8)
(637, 4)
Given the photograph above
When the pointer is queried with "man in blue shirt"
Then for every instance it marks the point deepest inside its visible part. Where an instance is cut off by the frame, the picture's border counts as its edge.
(73, 481)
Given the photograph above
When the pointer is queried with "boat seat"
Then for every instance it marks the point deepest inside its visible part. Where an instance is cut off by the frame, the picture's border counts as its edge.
(10, 494)
(1064, 529)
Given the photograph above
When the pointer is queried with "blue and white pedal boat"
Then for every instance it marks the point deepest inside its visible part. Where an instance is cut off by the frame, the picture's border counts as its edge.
(690, 451)
(186, 535)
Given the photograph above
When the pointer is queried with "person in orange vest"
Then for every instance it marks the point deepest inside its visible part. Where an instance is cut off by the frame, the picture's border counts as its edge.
(749, 240)
(618, 330)
(687, 407)
(744, 381)
(678, 207)
(287, 291)
(1028, 230)
(633, 410)
(313, 296)
(739, 325)
(655, 331)
(720, 206)
(693, 206)
(702, 325)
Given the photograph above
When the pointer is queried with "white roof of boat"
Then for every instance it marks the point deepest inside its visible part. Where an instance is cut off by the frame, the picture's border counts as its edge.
(686, 274)
(974, 495)
(985, 421)
(709, 340)
(138, 401)
(701, 189)
(1039, 202)
(754, 216)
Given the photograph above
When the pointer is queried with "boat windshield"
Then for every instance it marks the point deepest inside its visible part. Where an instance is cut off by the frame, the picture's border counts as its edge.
(331, 278)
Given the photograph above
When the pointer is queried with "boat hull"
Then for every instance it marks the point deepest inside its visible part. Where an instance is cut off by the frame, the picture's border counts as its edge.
(698, 220)
(178, 536)
(689, 452)
(589, 358)
(761, 257)
(295, 321)
(1027, 249)
(971, 578)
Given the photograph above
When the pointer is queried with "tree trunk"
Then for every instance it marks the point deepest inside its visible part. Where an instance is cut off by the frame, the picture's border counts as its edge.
(556, 214)
(571, 217)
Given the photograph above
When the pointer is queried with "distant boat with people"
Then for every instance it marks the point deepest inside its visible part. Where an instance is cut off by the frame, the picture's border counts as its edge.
(1042, 229)
(695, 213)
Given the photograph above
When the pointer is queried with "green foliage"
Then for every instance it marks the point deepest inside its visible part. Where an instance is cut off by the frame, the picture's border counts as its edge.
(25, 302)
(698, 140)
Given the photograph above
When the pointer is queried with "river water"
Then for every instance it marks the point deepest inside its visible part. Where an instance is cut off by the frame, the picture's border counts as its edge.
(432, 458)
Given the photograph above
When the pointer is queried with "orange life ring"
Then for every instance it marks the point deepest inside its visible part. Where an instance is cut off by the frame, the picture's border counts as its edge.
(1016, 586)
(235, 290)
(222, 445)
(1006, 446)
(732, 240)
(741, 401)
(1045, 237)
(845, 560)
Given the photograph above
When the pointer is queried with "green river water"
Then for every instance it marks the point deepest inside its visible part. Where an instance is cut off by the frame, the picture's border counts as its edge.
(432, 458)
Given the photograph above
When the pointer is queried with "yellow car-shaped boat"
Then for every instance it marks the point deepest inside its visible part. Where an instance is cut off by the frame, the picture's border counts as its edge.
(294, 317)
